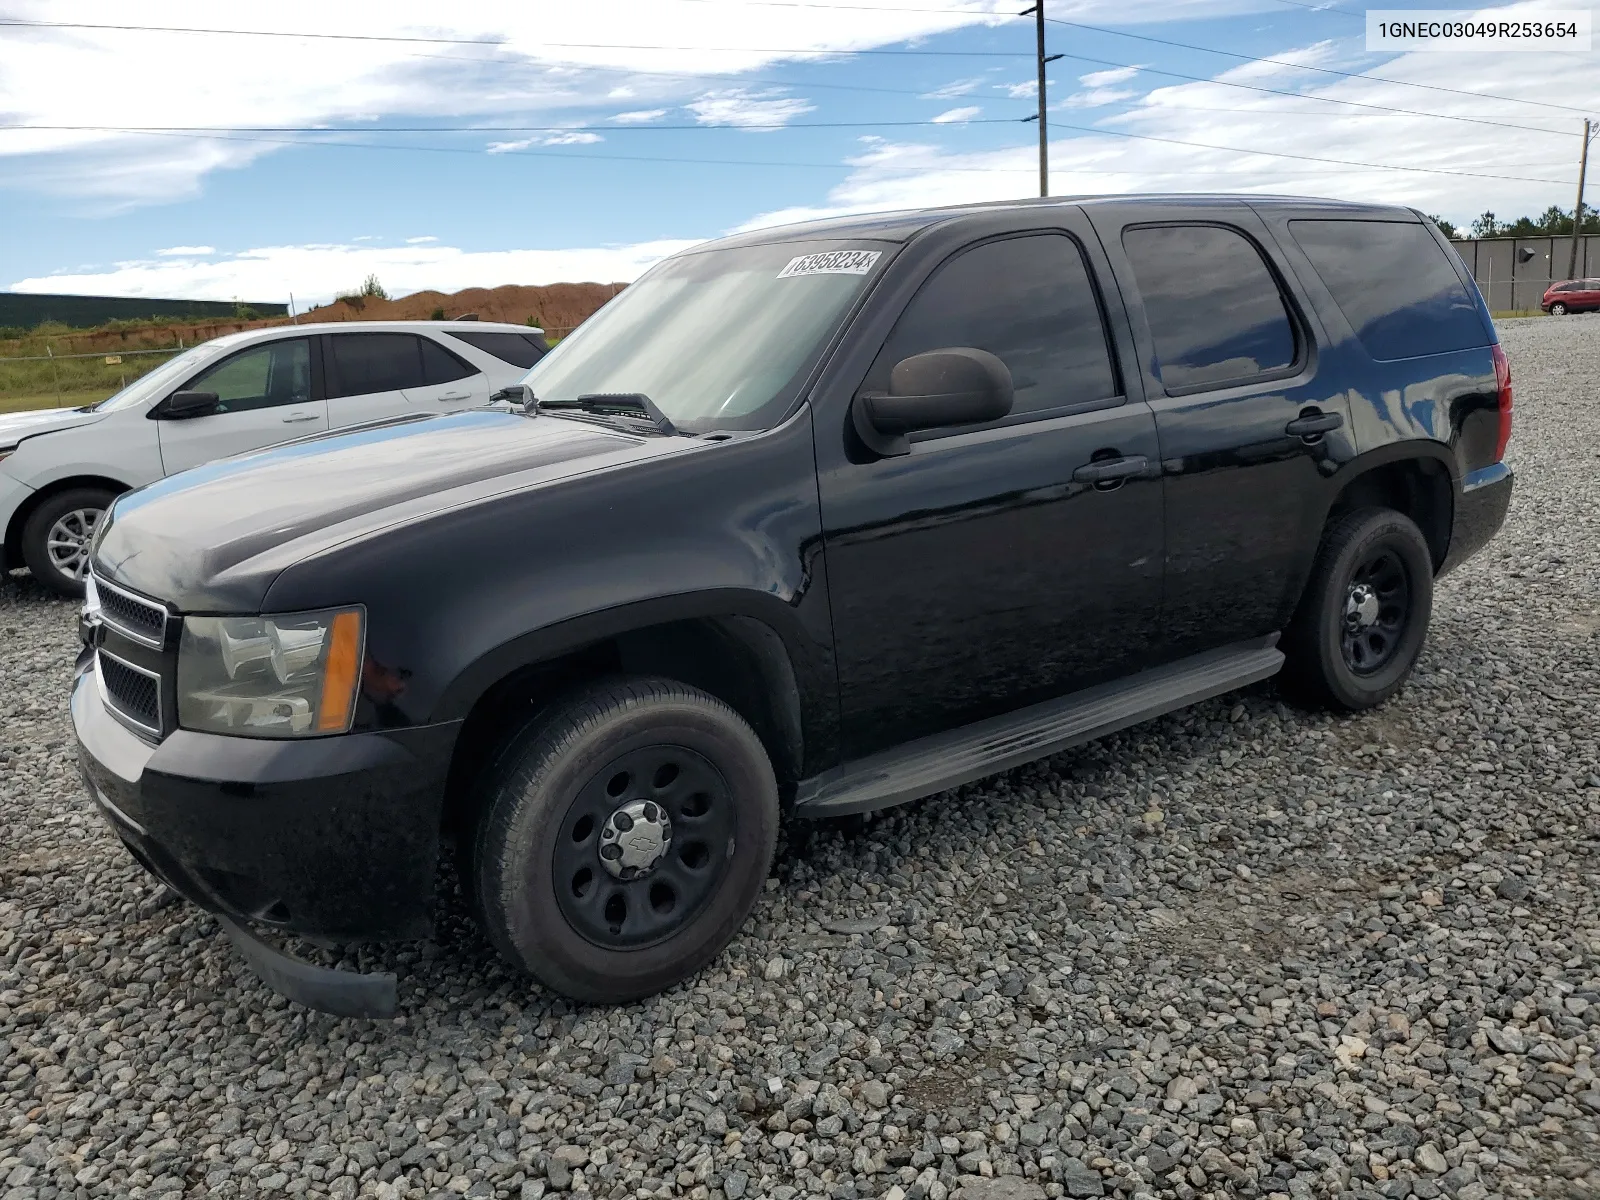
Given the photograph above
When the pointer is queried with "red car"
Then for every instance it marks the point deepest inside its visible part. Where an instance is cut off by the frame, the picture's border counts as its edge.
(1574, 295)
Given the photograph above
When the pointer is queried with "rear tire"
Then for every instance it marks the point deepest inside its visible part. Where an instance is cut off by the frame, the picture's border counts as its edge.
(1558, 309)
(56, 537)
(623, 838)
(1364, 615)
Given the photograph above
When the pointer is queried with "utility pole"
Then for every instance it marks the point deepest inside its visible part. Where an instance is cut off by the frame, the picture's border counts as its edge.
(1577, 209)
(1044, 138)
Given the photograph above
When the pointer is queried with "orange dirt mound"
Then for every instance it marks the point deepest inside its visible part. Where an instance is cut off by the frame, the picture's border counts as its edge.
(557, 307)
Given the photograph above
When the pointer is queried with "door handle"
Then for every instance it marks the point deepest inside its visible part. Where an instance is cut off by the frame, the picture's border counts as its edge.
(296, 418)
(455, 396)
(1108, 470)
(1312, 424)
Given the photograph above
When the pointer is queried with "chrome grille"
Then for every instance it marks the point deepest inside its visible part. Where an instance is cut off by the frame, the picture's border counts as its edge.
(132, 616)
(132, 693)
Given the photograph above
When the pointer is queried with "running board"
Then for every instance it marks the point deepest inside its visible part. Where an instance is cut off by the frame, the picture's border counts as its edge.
(947, 760)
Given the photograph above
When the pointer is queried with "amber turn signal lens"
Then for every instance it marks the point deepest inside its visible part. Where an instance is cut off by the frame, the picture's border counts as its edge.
(340, 674)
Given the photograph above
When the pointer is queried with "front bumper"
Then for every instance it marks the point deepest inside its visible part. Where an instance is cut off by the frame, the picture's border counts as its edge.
(331, 838)
(1480, 511)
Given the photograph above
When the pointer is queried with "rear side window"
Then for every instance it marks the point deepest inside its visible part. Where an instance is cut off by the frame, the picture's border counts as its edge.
(1214, 308)
(518, 349)
(440, 365)
(1028, 301)
(1394, 285)
(362, 363)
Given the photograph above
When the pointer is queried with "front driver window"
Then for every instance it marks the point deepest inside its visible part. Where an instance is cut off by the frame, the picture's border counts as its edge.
(260, 377)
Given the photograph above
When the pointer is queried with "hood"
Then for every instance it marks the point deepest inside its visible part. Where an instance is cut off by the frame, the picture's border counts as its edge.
(213, 538)
(14, 427)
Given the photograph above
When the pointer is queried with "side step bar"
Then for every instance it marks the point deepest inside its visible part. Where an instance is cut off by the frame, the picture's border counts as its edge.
(947, 760)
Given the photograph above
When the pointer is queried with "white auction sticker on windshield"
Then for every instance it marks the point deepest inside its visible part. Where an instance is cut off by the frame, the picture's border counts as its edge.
(833, 262)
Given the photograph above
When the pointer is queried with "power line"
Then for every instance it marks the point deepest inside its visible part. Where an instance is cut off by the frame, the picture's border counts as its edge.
(1253, 87)
(838, 53)
(1278, 62)
(374, 37)
(1321, 8)
(612, 128)
(579, 157)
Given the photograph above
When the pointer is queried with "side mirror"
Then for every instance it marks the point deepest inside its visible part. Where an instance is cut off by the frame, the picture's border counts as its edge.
(180, 406)
(519, 394)
(933, 390)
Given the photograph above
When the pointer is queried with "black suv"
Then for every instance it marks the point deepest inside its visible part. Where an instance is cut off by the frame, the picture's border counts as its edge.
(816, 520)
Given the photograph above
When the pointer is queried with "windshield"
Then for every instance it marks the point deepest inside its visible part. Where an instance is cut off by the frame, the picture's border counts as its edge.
(168, 372)
(718, 339)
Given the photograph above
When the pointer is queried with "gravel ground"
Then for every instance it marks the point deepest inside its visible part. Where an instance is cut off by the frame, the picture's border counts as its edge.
(1242, 951)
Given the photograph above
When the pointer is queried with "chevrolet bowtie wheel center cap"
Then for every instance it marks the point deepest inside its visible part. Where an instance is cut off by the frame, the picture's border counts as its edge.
(1361, 609)
(634, 839)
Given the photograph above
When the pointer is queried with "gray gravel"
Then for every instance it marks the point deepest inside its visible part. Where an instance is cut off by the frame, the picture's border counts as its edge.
(1242, 951)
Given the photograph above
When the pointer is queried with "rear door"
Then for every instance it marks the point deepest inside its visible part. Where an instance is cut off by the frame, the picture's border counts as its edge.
(367, 374)
(1248, 432)
(449, 382)
(266, 394)
(372, 376)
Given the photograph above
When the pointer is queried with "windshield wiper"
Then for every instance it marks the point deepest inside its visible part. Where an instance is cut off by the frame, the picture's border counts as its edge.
(635, 405)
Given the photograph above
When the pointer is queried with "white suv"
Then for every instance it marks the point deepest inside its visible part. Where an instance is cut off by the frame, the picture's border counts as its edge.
(61, 468)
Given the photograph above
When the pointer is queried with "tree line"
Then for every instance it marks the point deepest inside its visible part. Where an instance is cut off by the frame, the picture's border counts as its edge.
(1554, 221)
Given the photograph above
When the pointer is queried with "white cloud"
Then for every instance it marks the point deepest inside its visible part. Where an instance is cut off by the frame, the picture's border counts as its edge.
(316, 272)
(418, 241)
(1099, 79)
(749, 108)
(957, 116)
(571, 137)
(950, 91)
(186, 251)
(551, 59)
(1097, 98)
(901, 175)
(1026, 90)
(639, 116)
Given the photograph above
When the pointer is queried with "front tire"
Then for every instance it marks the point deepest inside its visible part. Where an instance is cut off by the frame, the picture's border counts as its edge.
(57, 534)
(1364, 615)
(1558, 309)
(623, 838)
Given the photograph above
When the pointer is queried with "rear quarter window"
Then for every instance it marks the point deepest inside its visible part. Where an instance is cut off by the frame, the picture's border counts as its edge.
(1394, 284)
(518, 349)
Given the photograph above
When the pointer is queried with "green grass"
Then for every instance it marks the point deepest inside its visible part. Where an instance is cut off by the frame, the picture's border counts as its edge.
(51, 400)
(35, 379)
(1519, 312)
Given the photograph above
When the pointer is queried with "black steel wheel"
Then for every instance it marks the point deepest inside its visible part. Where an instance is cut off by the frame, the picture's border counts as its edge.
(644, 846)
(1377, 605)
(1363, 617)
(622, 837)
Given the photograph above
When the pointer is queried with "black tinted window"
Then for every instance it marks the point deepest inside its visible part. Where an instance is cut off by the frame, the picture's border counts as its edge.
(260, 377)
(1027, 300)
(518, 349)
(1215, 310)
(440, 365)
(1394, 285)
(361, 363)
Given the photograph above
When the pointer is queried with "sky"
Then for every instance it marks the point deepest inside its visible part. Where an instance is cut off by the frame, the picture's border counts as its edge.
(228, 155)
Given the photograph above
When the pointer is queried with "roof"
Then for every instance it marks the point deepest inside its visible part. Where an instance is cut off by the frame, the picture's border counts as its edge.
(273, 331)
(901, 225)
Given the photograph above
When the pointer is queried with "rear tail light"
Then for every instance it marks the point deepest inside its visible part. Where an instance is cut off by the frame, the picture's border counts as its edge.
(1502, 379)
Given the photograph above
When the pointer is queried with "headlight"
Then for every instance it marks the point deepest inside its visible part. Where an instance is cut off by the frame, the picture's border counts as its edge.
(270, 677)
